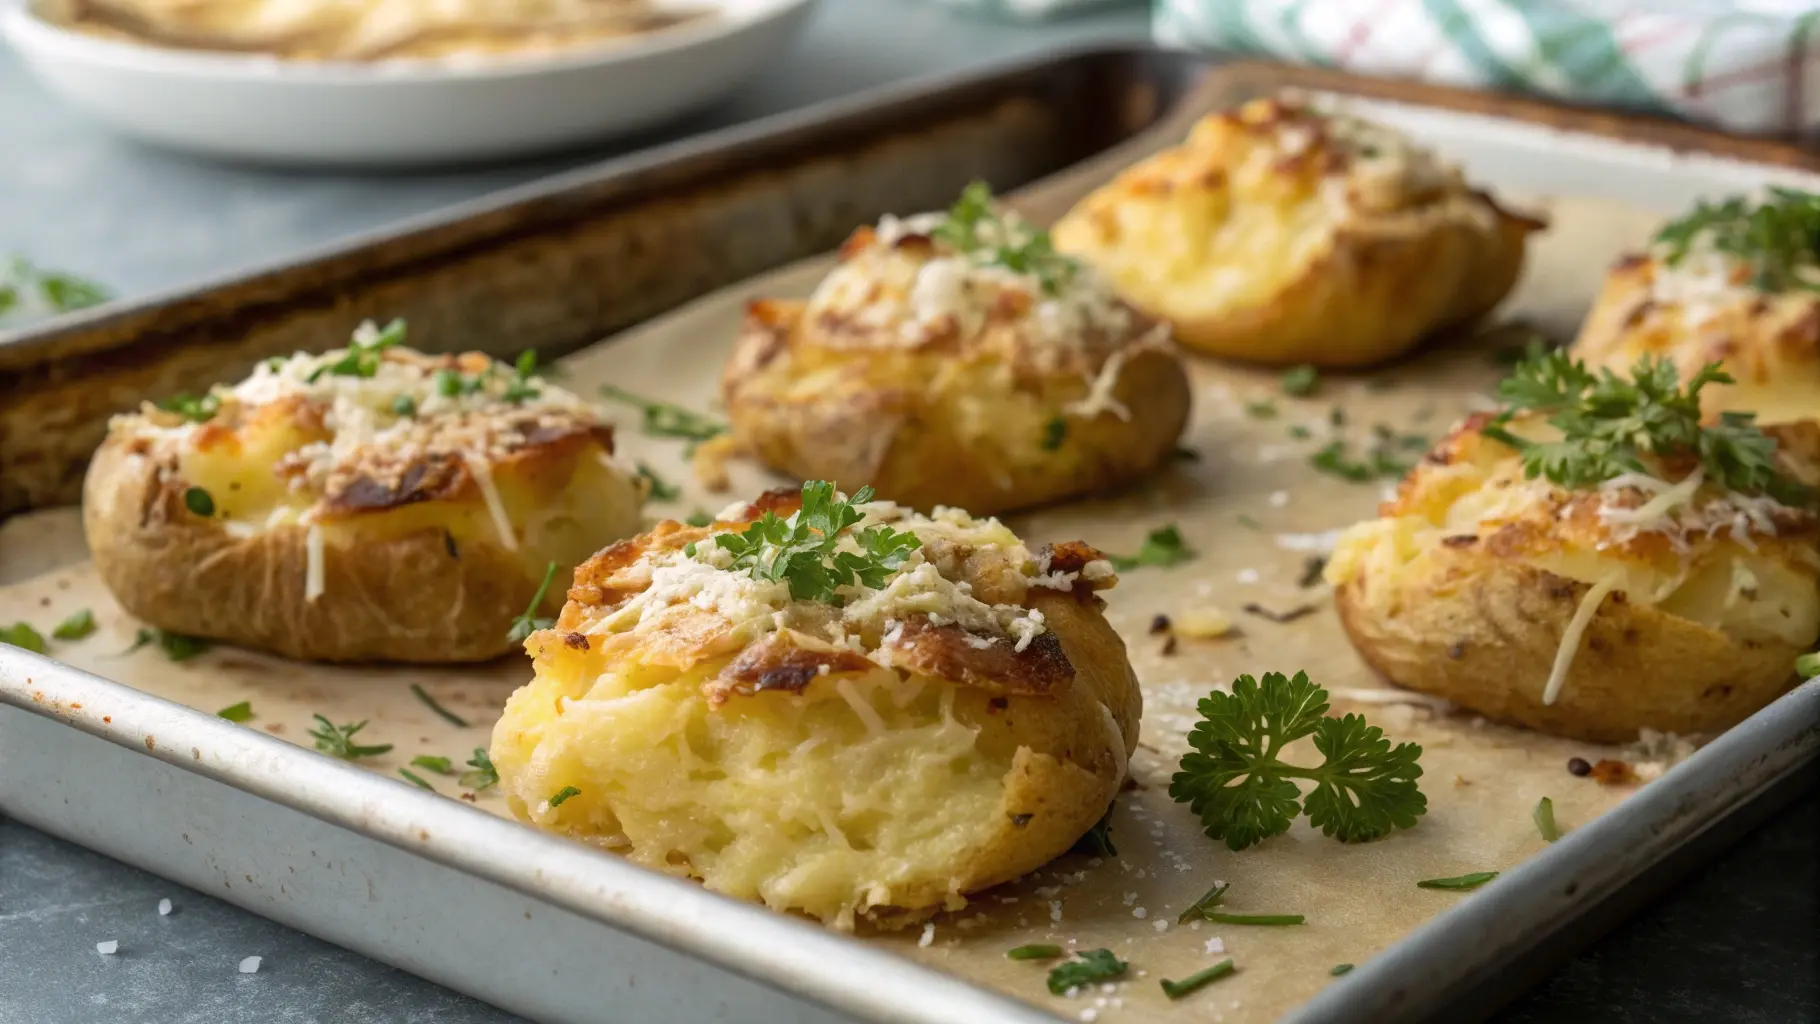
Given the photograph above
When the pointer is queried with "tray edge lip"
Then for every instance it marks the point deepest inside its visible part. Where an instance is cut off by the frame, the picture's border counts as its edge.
(779, 951)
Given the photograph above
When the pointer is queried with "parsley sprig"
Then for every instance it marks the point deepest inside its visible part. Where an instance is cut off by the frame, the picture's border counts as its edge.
(190, 407)
(529, 621)
(1778, 239)
(1236, 780)
(20, 280)
(661, 419)
(483, 773)
(803, 550)
(1608, 423)
(1090, 966)
(975, 229)
(1163, 547)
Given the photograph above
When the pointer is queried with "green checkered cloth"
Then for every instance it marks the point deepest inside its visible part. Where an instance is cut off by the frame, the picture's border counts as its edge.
(1748, 66)
(1032, 10)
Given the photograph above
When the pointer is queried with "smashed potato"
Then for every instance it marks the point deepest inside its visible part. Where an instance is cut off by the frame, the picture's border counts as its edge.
(371, 503)
(959, 724)
(1653, 601)
(1279, 234)
(1706, 299)
(955, 359)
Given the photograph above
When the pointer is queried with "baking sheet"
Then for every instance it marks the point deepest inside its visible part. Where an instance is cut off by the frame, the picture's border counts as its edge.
(1482, 780)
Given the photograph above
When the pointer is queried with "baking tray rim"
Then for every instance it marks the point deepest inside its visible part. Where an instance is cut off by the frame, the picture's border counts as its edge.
(17, 345)
(799, 958)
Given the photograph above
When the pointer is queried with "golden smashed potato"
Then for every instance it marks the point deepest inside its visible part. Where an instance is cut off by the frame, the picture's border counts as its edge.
(1279, 234)
(928, 368)
(958, 725)
(1705, 307)
(372, 503)
(1661, 602)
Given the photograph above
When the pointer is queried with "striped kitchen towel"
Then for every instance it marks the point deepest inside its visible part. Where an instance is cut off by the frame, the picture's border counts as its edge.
(1750, 66)
(1031, 10)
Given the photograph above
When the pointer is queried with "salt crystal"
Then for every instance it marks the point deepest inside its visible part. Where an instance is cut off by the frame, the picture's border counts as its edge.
(1216, 945)
(107, 948)
(1248, 576)
(928, 935)
(164, 908)
(1140, 913)
(1160, 925)
(1090, 1015)
(250, 965)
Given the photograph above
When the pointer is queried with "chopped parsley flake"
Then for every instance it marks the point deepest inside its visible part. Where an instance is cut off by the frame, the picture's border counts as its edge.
(1178, 989)
(190, 407)
(176, 646)
(530, 622)
(1301, 381)
(444, 713)
(1164, 547)
(661, 489)
(1054, 433)
(22, 635)
(483, 773)
(236, 712)
(79, 624)
(563, 794)
(1471, 881)
(439, 765)
(363, 355)
(1035, 951)
(338, 740)
(199, 502)
(1094, 965)
(1544, 816)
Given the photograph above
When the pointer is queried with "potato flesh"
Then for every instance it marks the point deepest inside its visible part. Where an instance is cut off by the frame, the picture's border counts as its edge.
(825, 802)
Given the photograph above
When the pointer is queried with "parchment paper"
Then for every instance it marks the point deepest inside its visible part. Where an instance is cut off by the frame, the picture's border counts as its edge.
(1250, 506)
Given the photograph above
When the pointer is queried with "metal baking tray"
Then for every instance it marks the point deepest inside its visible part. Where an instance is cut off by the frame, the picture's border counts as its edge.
(555, 931)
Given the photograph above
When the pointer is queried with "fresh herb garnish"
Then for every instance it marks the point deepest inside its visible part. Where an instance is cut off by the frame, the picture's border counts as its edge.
(1544, 816)
(199, 502)
(1608, 423)
(1299, 432)
(1301, 381)
(236, 712)
(1235, 780)
(700, 519)
(79, 624)
(404, 406)
(661, 489)
(1204, 906)
(1178, 989)
(1183, 453)
(1054, 433)
(1267, 920)
(1092, 966)
(483, 773)
(1807, 666)
(1035, 951)
(416, 779)
(63, 293)
(530, 622)
(444, 713)
(363, 355)
(338, 740)
(22, 635)
(1472, 881)
(452, 384)
(802, 549)
(522, 386)
(1339, 969)
(439, 765)
(563, 794)
(1249, 522)
(1379, 462)
(1097, 841)
(1164, 547)
(190, 407)
(176, 646)
(664, 420)
(1264, 410)
(974, 229)
(1778, 239)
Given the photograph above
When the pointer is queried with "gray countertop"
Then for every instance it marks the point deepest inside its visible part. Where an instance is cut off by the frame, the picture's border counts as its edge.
(1738, 941)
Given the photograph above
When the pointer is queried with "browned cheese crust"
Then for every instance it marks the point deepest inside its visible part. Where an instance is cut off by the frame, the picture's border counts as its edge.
(1768, 342)
(1280, 235)
(1474, 610)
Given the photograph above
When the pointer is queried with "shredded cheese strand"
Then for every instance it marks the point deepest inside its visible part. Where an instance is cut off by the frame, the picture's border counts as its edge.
(312, 572)
(1576, 630)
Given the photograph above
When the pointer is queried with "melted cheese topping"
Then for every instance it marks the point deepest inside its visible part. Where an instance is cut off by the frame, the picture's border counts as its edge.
(683, 583)
(900, 286)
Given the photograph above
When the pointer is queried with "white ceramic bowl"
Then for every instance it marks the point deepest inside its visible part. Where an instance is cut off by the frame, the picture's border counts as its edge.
(402, 112)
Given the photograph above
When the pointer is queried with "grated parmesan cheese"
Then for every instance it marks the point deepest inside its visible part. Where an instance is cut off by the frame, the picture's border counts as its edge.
(1572, 635)
(496, 507)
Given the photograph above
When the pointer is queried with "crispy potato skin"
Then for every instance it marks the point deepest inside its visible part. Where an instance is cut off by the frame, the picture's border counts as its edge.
(1239, 237)
(1051, 733)
(1770, 343)
(1477, 616)
(929, 427)
(426, 582)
